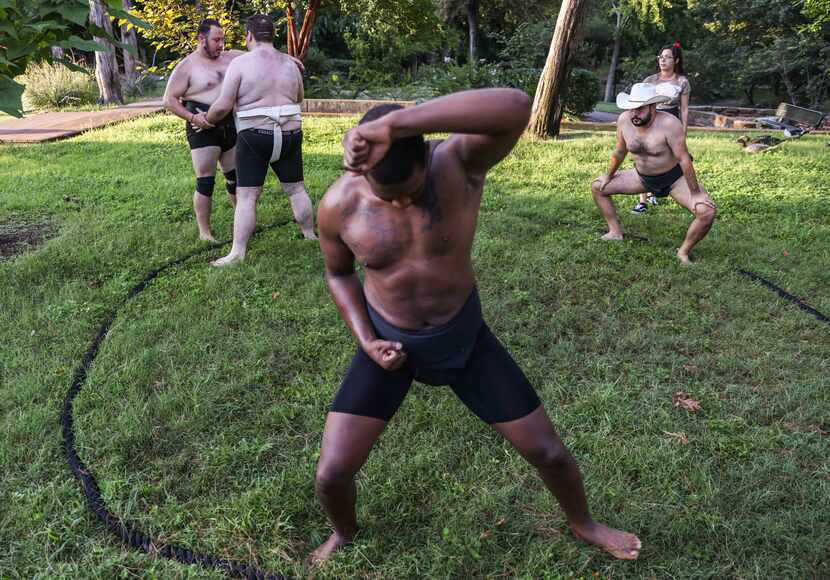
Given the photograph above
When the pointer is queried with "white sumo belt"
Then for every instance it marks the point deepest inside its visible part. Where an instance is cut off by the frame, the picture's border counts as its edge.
(274, 116)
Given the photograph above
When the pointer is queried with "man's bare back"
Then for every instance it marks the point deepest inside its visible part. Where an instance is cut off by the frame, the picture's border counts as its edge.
(268, 78)
(416, 256)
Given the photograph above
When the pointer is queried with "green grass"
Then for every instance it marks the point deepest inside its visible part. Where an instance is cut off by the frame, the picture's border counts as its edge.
(604, 107)
(202, 414)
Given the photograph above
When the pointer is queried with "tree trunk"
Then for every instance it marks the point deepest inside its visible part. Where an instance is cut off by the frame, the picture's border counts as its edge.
(128, 37)
(547, 105)
(106, 65)
(472, 25)
(612, 70)
(57, 53)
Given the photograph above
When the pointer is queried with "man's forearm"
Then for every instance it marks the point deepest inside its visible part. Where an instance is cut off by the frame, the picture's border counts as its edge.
(174, 105)
(481, 112)
(217, 112)
(347, 293)
(616, 161)
(690, 175)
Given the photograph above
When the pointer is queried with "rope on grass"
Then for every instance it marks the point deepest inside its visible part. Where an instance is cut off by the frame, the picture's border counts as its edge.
(785, 295)
(125, 532)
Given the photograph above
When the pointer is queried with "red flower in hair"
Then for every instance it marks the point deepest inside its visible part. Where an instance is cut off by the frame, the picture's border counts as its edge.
(676, 44)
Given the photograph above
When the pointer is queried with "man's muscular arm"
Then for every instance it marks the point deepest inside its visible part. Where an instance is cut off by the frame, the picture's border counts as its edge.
(617, 157)
(487, 123)
(676, 138)
(227, 98)
(345, 287)
(176, 89)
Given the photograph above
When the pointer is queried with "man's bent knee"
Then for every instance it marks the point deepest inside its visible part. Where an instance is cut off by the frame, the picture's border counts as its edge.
(332, 475)
(705, 212)
(292, 189)
(548, 456)
(205, 185)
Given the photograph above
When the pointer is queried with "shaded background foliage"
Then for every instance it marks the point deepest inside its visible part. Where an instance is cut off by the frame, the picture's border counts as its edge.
(753, 52)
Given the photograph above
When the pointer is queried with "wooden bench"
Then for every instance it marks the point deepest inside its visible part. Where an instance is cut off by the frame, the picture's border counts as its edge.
(793, 120)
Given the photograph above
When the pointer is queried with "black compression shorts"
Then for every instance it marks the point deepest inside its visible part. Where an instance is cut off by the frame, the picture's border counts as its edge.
(222, 136)
(253, 154)
(482, 374)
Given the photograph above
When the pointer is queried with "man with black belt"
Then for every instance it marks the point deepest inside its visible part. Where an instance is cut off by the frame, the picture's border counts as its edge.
(193, 86)
(662, 166)
(266, 88)
(406, 210)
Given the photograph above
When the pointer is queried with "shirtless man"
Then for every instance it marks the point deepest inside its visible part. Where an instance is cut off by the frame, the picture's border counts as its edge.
(662, 166)
(407, 211)
(266, 88)
(192, 88)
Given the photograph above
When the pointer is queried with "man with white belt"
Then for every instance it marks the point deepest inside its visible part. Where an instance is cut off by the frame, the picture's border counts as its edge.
(267, 88)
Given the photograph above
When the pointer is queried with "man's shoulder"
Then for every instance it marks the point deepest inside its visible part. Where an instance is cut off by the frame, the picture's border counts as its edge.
(186, 63)
(346, 192)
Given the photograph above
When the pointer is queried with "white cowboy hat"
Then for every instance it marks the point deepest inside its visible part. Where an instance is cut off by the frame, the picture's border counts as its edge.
(641, 94)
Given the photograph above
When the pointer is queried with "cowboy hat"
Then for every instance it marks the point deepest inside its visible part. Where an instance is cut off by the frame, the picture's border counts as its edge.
(641, 94)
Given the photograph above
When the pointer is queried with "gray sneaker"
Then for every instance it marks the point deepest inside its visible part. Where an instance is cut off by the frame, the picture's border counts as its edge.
(652, 199)
(639, 209)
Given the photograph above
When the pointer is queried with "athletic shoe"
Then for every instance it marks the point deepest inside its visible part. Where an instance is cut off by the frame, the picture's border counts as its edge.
(639, 209)
(652, 199)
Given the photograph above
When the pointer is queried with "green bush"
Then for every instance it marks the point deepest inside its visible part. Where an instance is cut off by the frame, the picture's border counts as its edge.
(52, 86)
(582, 92)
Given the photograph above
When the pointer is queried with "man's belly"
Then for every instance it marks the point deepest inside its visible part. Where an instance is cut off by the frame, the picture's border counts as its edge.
(207, 97)
(415, 300)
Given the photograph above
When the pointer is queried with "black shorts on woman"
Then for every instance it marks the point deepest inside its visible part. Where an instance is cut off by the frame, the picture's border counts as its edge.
(463, 353)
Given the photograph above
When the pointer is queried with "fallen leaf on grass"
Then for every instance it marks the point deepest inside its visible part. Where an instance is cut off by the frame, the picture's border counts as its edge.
(786, 253)
(683, 401)
(691, 369)
(501, 521)
(679, 437)
(275, 295)
(485, 534)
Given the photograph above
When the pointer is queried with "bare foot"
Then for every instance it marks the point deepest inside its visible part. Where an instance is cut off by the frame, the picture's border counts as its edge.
(684, 258)
(612, 237)
(207, 237)
(619, 544)
(325, 550)
(309, 235)
(228, 260)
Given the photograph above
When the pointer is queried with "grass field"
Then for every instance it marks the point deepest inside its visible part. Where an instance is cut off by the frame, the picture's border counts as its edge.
(202, 414)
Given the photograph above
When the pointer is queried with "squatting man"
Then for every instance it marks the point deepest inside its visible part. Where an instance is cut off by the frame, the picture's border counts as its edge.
(662, 166)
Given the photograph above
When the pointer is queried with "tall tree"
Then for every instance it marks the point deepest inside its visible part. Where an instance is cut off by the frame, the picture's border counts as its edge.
(106, 64)
(546, 114)
(472, 27)
(129, 38)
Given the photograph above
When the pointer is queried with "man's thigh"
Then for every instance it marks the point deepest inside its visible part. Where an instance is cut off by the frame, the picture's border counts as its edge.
(227, 160)
(492, 385)
(681, 193)
(625, 182)
(204, 160)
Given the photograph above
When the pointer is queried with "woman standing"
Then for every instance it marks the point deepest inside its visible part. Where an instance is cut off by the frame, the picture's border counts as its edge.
(674, 84)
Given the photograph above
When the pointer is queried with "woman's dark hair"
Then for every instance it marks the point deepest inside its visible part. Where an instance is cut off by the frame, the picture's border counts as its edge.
(261, 27)
(403, 155)
(678, 57)
(205, 26)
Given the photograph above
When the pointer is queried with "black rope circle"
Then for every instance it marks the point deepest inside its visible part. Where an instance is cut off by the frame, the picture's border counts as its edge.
(126, 533)
(141, 541)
